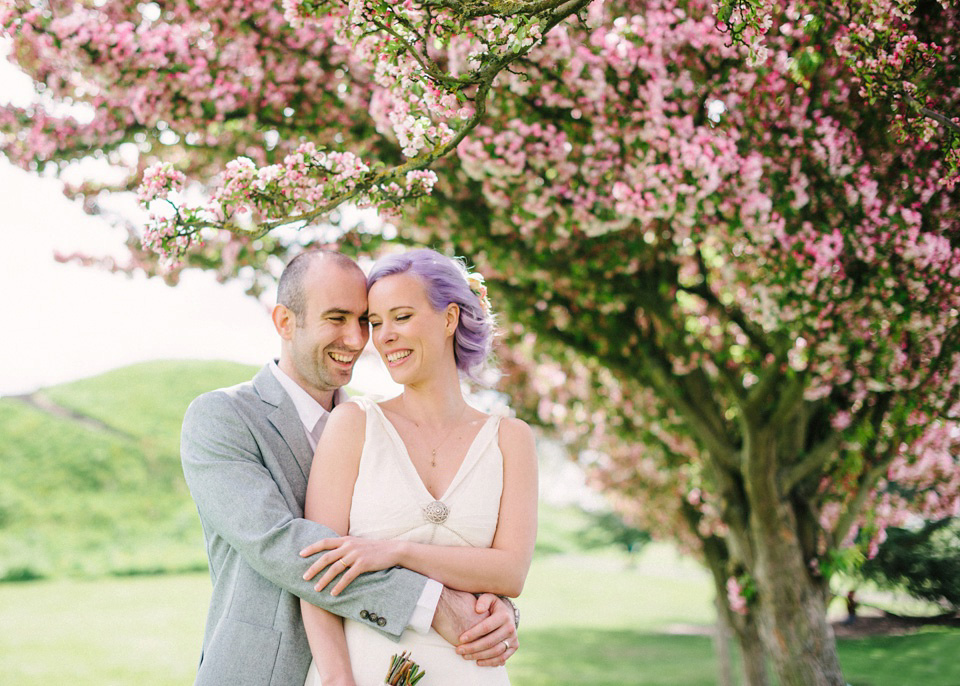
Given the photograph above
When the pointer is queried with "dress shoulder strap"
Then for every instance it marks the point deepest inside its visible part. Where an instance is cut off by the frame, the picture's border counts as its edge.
(364, 401)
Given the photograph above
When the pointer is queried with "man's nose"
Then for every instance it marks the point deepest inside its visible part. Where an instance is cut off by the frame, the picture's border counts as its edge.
(356, 335)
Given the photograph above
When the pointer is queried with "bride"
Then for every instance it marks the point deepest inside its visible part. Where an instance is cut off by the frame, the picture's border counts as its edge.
(422, 480)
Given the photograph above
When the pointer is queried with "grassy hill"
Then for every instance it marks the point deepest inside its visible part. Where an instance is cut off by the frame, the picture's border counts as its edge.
(91, 485)
(90, 479)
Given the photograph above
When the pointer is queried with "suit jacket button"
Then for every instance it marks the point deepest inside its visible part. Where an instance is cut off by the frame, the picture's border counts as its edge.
(364, 614)
(373, 617)
(381, 621)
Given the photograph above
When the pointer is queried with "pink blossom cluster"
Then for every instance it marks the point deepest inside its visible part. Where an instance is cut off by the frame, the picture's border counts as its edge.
(931, 466)
(399, 38)
(306, 180)
(161, 236)
(735, 597)
(159, 180)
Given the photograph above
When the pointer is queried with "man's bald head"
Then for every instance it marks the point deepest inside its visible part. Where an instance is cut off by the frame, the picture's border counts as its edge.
(290, 290)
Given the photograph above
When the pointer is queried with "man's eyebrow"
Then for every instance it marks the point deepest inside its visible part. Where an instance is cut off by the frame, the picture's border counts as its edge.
(338, 310)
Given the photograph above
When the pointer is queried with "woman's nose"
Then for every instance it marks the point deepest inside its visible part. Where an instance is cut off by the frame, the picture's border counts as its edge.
(386, 333)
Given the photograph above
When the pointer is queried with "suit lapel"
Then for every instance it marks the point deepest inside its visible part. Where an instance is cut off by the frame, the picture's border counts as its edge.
(284, 418)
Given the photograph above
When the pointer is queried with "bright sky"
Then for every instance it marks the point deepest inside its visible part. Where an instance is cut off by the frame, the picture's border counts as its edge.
(62, 322)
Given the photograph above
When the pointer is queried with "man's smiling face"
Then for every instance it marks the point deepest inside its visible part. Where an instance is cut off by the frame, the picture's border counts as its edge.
(332, 330)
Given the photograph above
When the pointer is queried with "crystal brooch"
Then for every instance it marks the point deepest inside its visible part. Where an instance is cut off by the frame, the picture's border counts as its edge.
(436, 512)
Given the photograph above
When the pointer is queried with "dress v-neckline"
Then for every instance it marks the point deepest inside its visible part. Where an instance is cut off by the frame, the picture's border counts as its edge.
(468, 457)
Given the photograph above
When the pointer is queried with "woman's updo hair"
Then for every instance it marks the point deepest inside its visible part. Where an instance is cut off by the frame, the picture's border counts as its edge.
(445, 281)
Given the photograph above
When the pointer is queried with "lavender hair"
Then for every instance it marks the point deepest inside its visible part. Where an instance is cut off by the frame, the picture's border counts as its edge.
(445, 280)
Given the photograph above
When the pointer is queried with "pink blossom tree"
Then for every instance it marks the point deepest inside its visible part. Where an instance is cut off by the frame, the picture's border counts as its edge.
(728, 235)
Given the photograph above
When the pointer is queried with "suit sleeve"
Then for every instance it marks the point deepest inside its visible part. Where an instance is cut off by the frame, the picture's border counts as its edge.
(238, 499)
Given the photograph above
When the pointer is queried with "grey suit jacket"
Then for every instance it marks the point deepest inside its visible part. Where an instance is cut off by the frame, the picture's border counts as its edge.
(246, 460)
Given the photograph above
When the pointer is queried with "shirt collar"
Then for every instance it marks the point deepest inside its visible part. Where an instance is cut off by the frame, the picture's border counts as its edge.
(309, 410)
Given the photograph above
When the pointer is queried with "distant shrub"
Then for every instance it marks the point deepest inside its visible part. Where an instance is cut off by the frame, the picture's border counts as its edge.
(15, 574)
(925, 562)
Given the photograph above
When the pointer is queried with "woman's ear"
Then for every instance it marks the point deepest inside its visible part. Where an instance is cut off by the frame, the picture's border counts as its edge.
(452, 314)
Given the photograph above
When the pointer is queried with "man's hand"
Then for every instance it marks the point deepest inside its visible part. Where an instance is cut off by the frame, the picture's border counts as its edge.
(493, 640)
(481, 628)
(456, 613)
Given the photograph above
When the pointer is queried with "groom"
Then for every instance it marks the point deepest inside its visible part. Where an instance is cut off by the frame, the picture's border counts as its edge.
(246, 454)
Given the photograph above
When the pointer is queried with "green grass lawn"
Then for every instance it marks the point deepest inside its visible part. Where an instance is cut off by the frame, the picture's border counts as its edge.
(927, 658)
(93, 506)
(587, 619)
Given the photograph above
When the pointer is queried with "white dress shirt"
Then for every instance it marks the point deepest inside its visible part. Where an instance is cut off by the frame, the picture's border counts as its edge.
(314, 418)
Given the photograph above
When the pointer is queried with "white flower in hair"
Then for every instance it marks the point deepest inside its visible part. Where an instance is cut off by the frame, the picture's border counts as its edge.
(475, 281)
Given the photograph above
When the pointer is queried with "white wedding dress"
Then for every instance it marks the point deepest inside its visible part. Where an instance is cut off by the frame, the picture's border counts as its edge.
(391, 502)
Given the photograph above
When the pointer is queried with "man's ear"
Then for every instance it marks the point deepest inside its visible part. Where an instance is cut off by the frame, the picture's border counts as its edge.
(452, 314)
(284, 321)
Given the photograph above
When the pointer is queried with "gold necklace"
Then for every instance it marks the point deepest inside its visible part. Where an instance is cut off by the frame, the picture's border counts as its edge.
(433, 451)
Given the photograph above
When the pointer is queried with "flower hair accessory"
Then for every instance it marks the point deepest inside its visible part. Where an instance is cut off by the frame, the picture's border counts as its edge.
(475, 282)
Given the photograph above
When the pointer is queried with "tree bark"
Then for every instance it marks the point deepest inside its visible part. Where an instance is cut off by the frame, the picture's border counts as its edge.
(752, 655)
(721, 644)
(791, 600)
(745, 630)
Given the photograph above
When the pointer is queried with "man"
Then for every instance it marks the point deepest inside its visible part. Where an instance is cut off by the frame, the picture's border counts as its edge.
(246, 454)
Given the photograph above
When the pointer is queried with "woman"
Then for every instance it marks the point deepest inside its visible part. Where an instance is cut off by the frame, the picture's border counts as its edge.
(422, 480)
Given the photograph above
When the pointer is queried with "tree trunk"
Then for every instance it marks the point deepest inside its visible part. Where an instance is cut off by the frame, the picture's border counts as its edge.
(721, 644)
(792, 601)
(745, 630)
(794, 629)
(753, 658)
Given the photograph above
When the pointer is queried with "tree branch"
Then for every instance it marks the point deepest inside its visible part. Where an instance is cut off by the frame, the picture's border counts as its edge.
(733, 315)
(812, 461)
(788, 403)
(868, 479)
(668, 384)
(941, 119)
(473, 9)
(770, 381)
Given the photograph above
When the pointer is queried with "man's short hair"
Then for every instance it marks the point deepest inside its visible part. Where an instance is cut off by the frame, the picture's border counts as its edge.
(290, 291)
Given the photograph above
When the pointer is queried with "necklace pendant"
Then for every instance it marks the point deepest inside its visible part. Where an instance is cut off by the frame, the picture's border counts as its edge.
(436, 512)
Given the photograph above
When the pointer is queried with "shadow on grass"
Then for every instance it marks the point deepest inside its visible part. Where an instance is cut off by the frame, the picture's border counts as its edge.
(574, 657)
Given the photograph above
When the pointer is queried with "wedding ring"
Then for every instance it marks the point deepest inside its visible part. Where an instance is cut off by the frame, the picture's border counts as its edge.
(345, 565)
(506, 646)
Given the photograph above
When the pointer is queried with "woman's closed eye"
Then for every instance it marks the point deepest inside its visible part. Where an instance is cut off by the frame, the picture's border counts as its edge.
(374, 323)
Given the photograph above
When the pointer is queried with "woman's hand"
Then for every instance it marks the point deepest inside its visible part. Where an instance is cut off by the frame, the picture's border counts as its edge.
(351, 556)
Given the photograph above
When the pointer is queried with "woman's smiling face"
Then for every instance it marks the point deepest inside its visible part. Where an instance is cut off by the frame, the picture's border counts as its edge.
(411, 337)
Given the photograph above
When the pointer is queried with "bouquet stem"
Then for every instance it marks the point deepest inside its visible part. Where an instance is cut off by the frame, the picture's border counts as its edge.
(403, 671)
